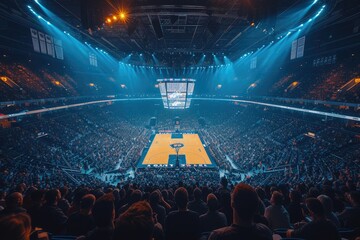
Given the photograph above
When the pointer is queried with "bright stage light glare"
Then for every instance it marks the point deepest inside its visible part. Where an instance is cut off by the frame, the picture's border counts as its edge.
(108, 20)
(122, 16)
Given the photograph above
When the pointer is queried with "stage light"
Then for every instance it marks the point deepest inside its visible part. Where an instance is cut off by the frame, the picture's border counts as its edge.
(122, 16)
(252, 24)
(115, 18)
(108, 20)
(91, 84)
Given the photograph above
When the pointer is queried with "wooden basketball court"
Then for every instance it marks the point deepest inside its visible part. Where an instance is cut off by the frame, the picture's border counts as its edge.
(160, 150)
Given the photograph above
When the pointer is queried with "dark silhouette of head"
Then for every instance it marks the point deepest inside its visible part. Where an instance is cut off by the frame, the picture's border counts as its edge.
(295, 196)
(155, 197)
(135, 196)
(315, 207)
(197, 194)
(104, 211)
(87, 201)
(52, 197)
(14, 200)
(181, 197)
(212, 202)
(224, 182)
(136, 223)
(326, 202)
(245, 202)
(355, 198)
(15, 227)
(277, 198)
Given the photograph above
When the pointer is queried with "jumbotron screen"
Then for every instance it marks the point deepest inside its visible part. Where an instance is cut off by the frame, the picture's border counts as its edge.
(176, 93)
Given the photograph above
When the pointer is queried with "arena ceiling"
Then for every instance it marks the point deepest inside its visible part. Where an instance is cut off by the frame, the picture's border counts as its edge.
(182, 26)
(177, 31)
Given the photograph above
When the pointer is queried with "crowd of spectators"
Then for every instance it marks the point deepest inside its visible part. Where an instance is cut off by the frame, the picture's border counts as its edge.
(331, 83)
(323, 210)
(21, 82)
(305, 174)
(249, 144)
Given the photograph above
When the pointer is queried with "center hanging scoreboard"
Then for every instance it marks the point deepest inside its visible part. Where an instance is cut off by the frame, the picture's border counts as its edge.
(176, 93)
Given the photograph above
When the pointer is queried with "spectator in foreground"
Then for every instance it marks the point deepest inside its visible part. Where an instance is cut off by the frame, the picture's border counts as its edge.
(52, 219)
(104, 214)
(319, 227)
(35, 206)
(136, 223)
(197, 205)
(213, 219)
(81, 222)
(63, 204)
(183, 223)
(351, 216)
(14, 204)
(328, 208)
(15, 227)
(276, 214)
(159, 210)
(135, 196)
(295, 207)
(245, 203)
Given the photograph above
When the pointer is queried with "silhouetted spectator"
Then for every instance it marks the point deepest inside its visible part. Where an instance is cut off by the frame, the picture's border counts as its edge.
(14, 203)
(52, 219)
(159, 210)
(197, 205)
(328, 209)
(15, 227)
(319, 227)
(104, 214)
(351, 216)
(36, 204)
(135, 196)
(225, 206)
(81, 222)
(295, 207)
(213, 219)
(136, 223)
(63, 203)
(183, 223)
(276, 214)
(245, 203)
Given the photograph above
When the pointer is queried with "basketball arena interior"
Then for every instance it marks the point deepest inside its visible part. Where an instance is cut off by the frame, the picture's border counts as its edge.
(179, 119)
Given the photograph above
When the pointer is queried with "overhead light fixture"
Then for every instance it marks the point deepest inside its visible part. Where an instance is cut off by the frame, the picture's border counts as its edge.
(123, 16)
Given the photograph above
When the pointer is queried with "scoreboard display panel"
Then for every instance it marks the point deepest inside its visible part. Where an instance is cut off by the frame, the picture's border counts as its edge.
(176, 92)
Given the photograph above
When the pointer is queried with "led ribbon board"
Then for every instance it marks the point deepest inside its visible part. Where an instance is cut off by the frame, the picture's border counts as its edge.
(176, 93)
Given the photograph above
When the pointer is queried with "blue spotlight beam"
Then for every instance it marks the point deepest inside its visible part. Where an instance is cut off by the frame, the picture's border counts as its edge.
(315, 112)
